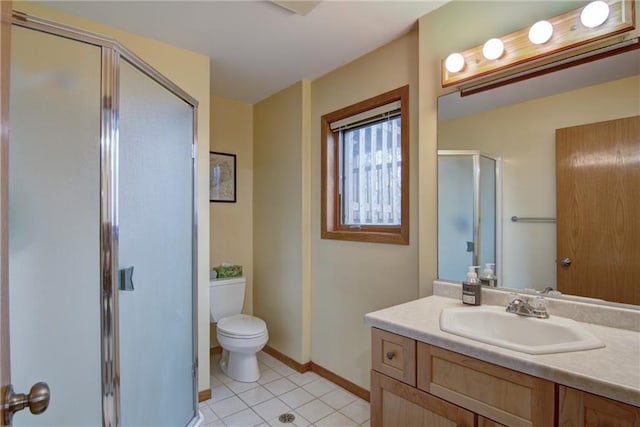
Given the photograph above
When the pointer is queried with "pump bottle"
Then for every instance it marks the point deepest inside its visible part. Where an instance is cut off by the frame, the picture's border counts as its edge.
(471, 288)
(488, 277)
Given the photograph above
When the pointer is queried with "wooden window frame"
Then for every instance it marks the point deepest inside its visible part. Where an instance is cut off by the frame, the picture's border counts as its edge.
(331, 227)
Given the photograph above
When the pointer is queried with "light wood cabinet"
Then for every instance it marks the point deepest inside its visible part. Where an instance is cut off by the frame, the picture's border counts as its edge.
(506, 396)
(578, 408)
(394, 403)
(486, 422)
(393, 355)
(416, 384)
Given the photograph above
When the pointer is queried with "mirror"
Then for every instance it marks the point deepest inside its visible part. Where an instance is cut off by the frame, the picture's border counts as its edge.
(517, 123)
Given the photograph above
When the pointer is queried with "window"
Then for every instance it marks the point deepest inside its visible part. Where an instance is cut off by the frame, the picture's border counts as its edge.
(365, 170)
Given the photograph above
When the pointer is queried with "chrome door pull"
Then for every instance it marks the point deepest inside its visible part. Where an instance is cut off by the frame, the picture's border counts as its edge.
(37, 400)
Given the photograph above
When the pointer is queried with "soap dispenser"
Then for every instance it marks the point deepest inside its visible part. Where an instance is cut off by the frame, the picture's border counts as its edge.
(488, 277)
(471, 288)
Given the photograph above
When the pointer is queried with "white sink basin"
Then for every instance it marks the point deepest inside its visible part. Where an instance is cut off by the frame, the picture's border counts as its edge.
(493, 325)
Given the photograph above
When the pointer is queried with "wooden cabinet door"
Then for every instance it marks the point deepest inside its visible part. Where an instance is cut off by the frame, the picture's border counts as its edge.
(578, 408)
(486, 422)
(394, 403)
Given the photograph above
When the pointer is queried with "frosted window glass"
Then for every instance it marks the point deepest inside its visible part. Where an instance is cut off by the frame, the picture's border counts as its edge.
(455, 216)
(155, 237)
(54, 219)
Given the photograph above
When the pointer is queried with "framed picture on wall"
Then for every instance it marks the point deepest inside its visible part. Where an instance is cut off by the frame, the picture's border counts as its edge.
(222, 177)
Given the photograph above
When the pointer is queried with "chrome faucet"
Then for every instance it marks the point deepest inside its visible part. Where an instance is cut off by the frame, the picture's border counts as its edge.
(550, 291)
(520, 306)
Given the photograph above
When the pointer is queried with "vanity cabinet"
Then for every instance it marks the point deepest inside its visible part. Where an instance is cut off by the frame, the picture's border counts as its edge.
(501, 394)
(449, 389)
(394, 403)
(578, 408)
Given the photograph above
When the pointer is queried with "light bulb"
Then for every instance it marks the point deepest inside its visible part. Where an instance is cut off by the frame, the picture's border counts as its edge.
(454, 63)
(540, 32)
(594, 14)
(493, 49)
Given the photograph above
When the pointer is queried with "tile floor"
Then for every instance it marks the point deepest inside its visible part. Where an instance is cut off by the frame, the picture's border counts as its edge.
(313, 400)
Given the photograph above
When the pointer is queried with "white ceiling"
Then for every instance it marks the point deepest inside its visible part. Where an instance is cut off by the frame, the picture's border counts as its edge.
(256, 47)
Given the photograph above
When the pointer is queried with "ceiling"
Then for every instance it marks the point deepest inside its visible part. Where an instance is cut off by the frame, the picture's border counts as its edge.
(258, 48)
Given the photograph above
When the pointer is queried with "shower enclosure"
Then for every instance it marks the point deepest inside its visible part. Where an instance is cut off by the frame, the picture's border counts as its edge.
(102, 254)
(469, 212)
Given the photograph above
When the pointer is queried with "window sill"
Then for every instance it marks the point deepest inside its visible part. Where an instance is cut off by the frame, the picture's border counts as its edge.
(397, 238)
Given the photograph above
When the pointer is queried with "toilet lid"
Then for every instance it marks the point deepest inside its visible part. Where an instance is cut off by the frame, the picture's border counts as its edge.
(242, 325)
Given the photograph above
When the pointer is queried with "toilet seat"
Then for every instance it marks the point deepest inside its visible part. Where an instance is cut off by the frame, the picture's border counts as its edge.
(242, 326)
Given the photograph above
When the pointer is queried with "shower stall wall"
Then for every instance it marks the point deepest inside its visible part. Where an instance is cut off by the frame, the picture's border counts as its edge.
(102, 231)
(469, 212)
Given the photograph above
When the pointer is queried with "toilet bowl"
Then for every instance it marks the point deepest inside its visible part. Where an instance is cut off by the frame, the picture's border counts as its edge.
(241, 336)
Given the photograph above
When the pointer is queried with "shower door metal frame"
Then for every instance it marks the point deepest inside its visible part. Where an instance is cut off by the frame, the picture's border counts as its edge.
(112, 53)
(475, 155)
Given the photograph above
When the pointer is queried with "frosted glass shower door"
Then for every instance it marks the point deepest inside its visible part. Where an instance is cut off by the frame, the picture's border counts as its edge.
(455, 216)
(54, 225)
(155, 216)
(487, 244)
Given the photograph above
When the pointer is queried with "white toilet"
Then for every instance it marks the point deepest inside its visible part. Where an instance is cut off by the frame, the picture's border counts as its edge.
(240, 336)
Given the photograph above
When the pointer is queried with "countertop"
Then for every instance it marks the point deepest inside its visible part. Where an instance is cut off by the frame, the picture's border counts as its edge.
(613, 371)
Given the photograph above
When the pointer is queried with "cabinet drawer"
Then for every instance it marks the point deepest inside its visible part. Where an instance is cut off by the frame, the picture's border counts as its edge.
(393, 355)
(395, 404)
(508, 397)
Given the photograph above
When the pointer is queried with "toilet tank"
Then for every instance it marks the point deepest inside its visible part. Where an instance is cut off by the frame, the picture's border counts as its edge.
(226, 297)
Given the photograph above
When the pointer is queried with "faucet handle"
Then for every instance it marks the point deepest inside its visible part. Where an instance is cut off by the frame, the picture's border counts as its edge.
(539, 303)
(540, 307)
(512, 297)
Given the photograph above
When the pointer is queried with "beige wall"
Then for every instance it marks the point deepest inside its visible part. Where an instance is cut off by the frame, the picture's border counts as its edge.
(314, 293)
(525, 136)
(190, 71)
(351, 279)
(281, 256)
(231, 224)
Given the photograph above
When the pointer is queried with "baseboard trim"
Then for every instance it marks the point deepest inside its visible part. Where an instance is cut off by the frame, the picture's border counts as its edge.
(342, 382)
(215, 350)
(325, 373)
(300, 367)
(204, 395)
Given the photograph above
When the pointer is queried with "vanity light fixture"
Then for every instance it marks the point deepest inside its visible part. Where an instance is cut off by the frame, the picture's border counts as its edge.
(594, 14)
(454, 62)
(600, 24)
(493, 49)
(540, 32)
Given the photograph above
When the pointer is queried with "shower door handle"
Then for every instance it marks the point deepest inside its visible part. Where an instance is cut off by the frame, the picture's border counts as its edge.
(37, 400)
(126, 279)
